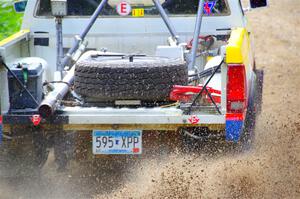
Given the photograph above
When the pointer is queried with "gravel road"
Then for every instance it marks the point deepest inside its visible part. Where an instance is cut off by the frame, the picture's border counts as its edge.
(270, 170)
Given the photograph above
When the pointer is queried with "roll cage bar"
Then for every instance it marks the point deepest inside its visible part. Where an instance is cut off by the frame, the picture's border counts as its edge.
(164, 16)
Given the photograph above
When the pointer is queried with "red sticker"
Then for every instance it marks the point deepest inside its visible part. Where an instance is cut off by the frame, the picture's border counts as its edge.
(135, 150)
(36, 120)
(1, 119)
(123, 8)
(194, 119)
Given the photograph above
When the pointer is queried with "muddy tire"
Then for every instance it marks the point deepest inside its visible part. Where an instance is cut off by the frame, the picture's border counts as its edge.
(40, 149)
(254, 109)
(25, 155)
(259, 93)
(116, 78)
(197, 139)
(64, 148)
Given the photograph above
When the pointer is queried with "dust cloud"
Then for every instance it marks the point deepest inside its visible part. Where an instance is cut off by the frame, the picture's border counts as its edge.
(271, 169)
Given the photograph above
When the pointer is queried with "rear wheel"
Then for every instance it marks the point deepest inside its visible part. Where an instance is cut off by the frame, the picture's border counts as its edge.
(254, 109)
(203, 140)
(64, 148)
(25, 155)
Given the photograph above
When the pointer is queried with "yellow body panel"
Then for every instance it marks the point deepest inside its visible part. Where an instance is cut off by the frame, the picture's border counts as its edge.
(13, 37)
(238, 48)
(209, 58)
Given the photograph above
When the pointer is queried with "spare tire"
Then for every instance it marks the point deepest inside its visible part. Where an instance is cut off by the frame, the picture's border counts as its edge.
(110, 78)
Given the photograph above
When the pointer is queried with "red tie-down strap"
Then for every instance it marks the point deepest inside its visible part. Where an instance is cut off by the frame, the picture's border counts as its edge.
(186, 93)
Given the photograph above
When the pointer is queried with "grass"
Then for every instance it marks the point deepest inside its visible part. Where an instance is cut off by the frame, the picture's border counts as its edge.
(10, 21)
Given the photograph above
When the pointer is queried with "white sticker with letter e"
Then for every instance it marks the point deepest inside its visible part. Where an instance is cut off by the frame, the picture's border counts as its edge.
(123, 8)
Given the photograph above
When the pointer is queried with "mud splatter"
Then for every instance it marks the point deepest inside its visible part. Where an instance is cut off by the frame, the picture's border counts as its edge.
(270, 170)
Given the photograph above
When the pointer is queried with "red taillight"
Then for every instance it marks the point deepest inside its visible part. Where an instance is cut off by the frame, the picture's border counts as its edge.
(236, 88)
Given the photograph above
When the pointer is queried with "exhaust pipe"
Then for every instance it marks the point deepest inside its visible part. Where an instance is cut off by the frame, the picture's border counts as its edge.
(49, 104)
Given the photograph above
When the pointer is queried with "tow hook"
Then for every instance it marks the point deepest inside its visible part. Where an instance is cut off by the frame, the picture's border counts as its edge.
(36, 120)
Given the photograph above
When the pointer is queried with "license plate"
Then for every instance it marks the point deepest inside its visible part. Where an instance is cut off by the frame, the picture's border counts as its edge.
(117, 142)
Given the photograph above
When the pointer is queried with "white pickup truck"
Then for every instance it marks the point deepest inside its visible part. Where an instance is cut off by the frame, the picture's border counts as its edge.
(134, 66)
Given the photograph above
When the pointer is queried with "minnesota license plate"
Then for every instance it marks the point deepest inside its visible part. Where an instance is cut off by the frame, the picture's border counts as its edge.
(117, 142)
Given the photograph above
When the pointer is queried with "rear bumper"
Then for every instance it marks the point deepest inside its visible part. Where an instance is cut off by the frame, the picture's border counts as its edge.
(78, 118)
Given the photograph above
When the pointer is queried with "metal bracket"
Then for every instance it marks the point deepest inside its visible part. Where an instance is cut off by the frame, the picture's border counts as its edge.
(204, 88)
